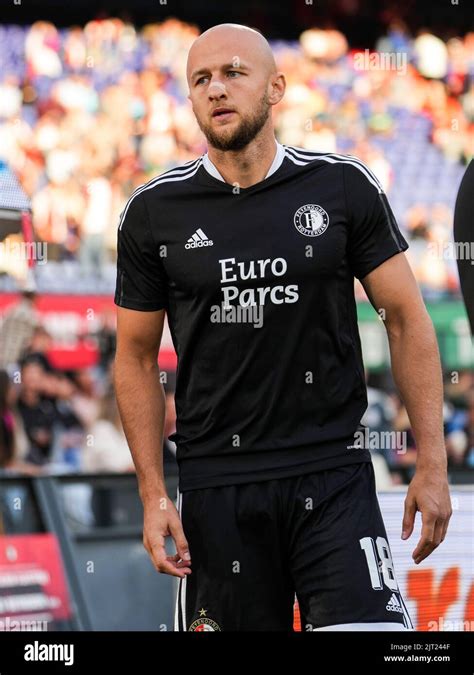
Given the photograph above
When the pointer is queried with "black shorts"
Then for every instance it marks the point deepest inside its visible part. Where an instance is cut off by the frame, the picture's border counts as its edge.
(318, 536)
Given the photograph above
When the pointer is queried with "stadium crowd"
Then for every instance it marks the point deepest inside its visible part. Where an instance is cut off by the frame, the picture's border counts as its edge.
(89, 113)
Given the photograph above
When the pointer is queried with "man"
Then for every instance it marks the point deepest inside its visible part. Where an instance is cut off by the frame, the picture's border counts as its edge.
(18, 328)
(464, 237)
(275, 497)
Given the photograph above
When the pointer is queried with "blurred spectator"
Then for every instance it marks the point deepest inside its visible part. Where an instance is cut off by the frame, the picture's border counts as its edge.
(84, 397)
(106, 448)
(37, 412)
(459, 428)
(53, 428)
(7, 436)
(13, 442)
(38, 348)
(17, 329)
(95, 221)
(106, 339)
(404, 457)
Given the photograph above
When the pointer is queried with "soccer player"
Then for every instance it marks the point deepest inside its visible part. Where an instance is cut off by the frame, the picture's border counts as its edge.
(464, 238)
(251, 250)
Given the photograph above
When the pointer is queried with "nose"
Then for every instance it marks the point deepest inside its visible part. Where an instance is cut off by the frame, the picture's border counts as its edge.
(216, 90)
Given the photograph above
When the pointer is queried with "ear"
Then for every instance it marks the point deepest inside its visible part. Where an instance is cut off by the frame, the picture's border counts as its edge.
(278, 87)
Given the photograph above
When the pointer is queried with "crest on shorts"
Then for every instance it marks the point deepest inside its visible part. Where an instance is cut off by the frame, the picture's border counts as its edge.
(311, 220)
(204, 623)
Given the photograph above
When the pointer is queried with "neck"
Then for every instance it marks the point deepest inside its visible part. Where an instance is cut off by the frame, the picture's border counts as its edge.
(247, 166)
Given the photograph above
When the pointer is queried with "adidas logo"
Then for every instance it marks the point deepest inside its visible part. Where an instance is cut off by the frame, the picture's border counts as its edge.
(394, 605)
(198, 239)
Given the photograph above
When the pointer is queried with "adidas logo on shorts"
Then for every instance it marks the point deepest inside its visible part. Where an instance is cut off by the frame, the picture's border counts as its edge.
(198, 239)
(394, 604)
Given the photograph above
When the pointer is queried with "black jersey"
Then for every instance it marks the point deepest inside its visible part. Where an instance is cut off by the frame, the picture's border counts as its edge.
(464, 237)
(258, 286)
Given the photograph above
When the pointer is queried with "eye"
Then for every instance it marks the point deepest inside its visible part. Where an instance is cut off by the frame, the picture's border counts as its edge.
(201, 79)
(234, 72)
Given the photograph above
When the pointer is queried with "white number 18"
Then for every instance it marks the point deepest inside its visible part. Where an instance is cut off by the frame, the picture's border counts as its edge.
(381, 569)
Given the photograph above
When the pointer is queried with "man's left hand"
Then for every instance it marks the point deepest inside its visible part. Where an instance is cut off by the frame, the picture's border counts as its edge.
(429, 493)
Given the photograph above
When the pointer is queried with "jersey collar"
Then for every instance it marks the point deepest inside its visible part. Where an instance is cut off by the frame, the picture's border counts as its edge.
(277, 161)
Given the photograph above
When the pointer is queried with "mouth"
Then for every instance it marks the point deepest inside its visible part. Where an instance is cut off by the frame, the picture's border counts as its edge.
(223, 113)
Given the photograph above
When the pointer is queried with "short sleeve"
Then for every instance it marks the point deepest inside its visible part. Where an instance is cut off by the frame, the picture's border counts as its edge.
(374, 235)
(141, 279)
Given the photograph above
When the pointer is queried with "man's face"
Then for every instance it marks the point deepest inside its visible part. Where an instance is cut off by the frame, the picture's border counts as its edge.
(228, 92)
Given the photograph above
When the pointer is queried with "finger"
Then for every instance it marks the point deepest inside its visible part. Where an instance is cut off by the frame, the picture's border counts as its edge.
(426, 543)
(422, 551)
(164, 565)
(438, 532)
(426, 537)
(177, 561)
(161, 560)
(182, 547)
(408, 518)
(170, 568)
(184, 564)
(445, 527)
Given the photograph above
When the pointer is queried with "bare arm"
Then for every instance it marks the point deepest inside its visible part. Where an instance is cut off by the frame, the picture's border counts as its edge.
(140, 395)
(141, 402)
(416, 368)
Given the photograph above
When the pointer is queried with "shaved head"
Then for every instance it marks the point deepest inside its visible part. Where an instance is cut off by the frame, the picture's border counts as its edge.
(233, 84)
(245, 40)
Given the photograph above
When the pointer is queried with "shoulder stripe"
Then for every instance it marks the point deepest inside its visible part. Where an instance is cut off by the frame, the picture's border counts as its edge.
(333, 158)
(174, 171)
(179, 173)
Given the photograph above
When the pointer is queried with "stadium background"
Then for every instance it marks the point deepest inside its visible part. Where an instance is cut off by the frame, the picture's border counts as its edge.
(92, 104)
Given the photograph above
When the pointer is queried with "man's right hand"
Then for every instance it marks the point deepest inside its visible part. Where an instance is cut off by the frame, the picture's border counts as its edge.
(161, 519)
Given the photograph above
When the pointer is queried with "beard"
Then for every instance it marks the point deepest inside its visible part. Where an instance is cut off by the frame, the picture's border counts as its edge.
(245, 132)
